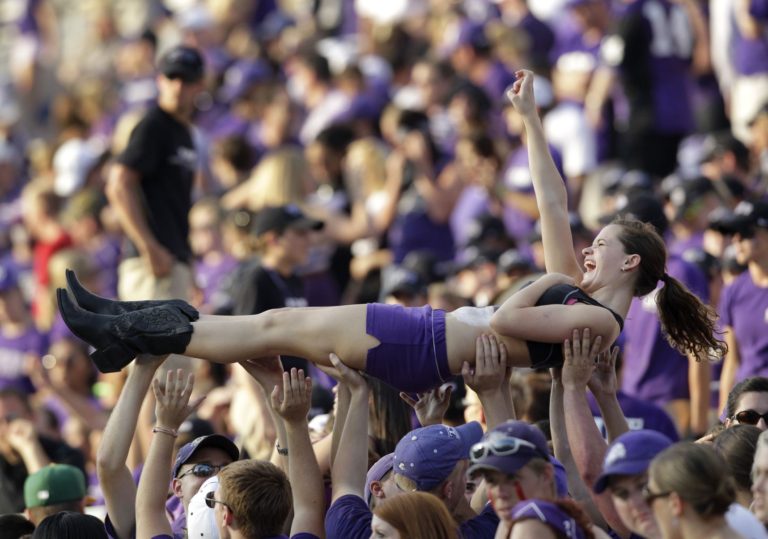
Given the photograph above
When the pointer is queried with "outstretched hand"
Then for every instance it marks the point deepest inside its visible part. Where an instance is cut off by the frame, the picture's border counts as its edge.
(520, 93)
(603, 380)
(579, 359)
(430, 407)
(173, 406)
(490, 370)
(293, 398)
(267, 371)
(349, 377)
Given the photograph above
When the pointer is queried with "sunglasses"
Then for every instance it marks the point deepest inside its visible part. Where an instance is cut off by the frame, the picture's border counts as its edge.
(203, 470)
(211, 502)
(500, 447)
(649, 496)
(750, 417)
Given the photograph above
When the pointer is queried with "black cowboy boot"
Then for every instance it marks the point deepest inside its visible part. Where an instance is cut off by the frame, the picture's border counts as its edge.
(96, 304)
(158, 330)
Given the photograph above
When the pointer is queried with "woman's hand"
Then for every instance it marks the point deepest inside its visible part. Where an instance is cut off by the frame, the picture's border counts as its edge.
(579, 354)
(173, 406)
(489, 372)
(349, 377)
(430, 407)
(293, 400)
(521, 93)
(267, 371)
(603, 380)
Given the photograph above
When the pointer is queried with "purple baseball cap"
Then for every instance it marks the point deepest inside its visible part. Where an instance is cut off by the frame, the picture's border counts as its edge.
(428, 455)
(377, 472)
(217, 441)
(631, 454)
(508, 447)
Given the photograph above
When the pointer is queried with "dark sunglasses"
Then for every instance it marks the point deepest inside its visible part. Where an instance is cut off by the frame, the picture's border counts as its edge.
(203, 470)
(211, 502)
(649, 496)
(500, 447)
(750, 417)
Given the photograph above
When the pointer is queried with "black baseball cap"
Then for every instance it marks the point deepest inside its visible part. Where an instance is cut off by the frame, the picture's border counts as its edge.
(217, 441)
(182, 62)
(279, 218)
(744, 219)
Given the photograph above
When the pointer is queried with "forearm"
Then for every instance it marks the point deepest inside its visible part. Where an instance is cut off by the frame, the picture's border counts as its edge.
(153, 488)
(343, 397)
(523, 298)
(308, 501)
(122, 191)
(613, 415)
(351, 462)
(34, 456)
(282, 440)
(494, 407)
(549, 186)
(730, 367)
(699, 378)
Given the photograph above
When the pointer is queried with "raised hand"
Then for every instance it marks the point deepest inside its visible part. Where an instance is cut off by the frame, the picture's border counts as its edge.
(350, 377)
(490, 371)
(430, 407)
(603, 379)
(267, 371)
(579, 353)
(292, 400)
(521, 93)
(173, 406)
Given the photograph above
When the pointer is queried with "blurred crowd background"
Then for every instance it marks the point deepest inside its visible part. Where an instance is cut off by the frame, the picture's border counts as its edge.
(388, 122)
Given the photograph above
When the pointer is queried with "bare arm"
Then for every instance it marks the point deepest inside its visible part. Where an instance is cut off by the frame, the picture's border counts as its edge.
(604, 386)
(699, 379)
(292, 405)
(23, 437)
(172, 409)
(114, 476)
(551, 195)
(122, 190)
(488, 377)
(587, 445)
(730, 366)
(351, 462)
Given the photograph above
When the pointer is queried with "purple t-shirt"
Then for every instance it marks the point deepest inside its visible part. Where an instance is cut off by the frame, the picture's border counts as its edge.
(750, 56)
(551, 515)
(639, 414)
(653, 370)
(350, 518)
(210, 276)
(13, 356)
(744, 308)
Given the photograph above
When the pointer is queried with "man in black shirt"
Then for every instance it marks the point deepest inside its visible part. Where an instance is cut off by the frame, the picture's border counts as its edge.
(150, 186)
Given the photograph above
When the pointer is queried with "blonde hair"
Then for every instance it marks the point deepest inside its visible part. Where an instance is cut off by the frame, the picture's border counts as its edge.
(417, 515)
(365, 164)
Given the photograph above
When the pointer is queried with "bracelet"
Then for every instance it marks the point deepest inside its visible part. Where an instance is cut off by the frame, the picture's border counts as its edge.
(281, 450)
(165, 430)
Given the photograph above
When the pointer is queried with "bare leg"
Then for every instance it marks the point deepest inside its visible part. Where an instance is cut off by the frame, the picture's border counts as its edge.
(312, 333)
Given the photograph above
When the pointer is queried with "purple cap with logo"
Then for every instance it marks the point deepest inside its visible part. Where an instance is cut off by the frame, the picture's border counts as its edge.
(631, 454)
(428, 455)
(377, 472)
(508, 447)
(217, 441)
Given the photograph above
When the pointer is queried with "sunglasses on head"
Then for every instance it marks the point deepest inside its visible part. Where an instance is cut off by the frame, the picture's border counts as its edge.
(211, 501)
(500, 447)
(203, 469)
(750, 417)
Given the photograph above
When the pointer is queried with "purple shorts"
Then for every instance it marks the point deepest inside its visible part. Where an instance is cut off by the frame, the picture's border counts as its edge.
(412, 354)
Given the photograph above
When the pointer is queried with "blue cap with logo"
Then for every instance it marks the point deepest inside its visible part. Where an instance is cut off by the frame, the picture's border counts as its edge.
(217, 441)
(428, 455)
(631, 454)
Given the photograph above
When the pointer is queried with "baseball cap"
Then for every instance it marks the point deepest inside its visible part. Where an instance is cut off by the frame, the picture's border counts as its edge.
(744, 218)
(279, 218)
(641, 206)
(201, 521)
(218, 441)
(54, 484)
(377, 472)
(428, 455)
(631, 454)
(182, 62)
(403, 281)
(508, 447)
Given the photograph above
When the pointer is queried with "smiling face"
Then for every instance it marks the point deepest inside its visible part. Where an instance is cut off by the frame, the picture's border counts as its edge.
(626, 493)
(604, 260)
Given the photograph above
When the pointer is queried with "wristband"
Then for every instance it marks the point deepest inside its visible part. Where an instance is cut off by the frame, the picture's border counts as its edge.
(281, 450)
(165, 430)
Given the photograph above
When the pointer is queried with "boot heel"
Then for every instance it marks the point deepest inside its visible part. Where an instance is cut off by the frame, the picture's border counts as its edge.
(113, 358)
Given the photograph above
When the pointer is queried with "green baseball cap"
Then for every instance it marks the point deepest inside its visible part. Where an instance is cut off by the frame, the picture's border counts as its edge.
(54, 484)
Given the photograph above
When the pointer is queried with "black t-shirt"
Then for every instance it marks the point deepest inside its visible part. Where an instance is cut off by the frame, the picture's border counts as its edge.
(12, 476)
(161, 150)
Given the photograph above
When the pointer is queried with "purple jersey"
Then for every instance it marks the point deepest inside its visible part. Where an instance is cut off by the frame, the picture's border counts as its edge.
(750, 55)
(744, 308)
(14, 351)
(209, 276)
(653, 370)
(550, 514)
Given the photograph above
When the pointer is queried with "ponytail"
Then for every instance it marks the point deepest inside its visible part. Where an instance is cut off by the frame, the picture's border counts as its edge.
(687, 322)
